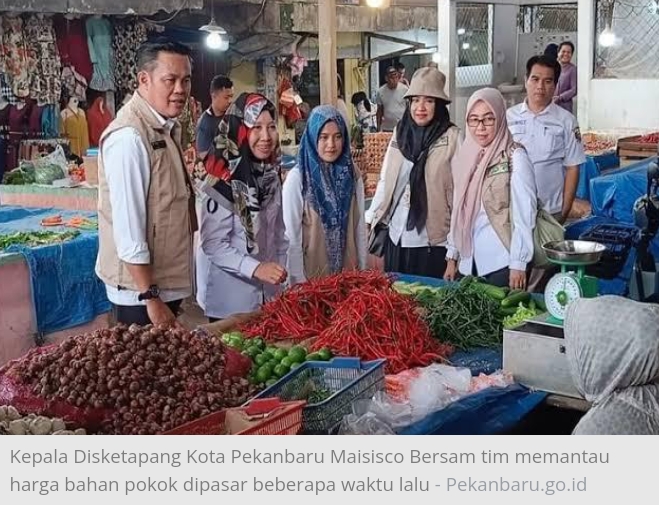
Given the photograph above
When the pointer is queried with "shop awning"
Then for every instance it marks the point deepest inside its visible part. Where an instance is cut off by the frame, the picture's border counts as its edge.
(103, 7)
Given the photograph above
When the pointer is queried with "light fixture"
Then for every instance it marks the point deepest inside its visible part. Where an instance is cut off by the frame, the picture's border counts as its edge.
(225, 45)
(607, 38)
(376, 4)
(213, 27)
(214, 40)
(461, 31)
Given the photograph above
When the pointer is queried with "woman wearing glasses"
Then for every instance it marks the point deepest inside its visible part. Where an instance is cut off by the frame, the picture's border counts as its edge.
(495, 202)
(411, 211)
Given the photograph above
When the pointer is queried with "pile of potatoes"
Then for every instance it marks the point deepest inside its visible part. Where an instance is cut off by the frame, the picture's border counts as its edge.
(13, 423)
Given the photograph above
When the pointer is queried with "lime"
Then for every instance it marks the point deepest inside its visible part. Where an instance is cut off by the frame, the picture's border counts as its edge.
(253, 351)
(295, 365)
(226, 337)
(286, 362)
(280, 354)
(268, 355)
(258, 342)
(270, 382)
(325, 354)
(297, 354)
(261, 359)
(280, 370)
(264, 373)
(271, 349)
(314, 356)
(236, 343)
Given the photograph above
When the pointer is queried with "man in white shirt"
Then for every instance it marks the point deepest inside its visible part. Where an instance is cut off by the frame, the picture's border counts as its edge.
(551, 137)
(391, 101)
(146, 200)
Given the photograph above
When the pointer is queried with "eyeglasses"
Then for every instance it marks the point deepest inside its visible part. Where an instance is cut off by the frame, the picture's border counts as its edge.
(473, 122)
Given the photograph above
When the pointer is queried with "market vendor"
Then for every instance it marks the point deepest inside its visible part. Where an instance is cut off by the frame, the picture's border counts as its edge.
(221, 91)
(242, 246)
(411, 210)
(550, 135)
(323, 202)
(494, 199)
(146, 217)
(613, 350)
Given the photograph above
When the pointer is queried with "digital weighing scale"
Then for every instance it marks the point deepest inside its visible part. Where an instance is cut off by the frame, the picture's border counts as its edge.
(572, 282)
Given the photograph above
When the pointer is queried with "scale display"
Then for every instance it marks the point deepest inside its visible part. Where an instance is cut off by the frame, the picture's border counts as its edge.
(561, 290)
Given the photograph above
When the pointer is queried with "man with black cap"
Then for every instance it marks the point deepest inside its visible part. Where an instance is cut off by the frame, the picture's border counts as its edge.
(391, 101)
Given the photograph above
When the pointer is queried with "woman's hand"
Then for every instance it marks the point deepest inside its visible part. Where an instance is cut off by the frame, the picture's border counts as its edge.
(517, 279)
(270, 273)
(451, 271)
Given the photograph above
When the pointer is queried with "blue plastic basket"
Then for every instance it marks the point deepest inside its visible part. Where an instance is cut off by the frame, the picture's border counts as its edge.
(348, 379)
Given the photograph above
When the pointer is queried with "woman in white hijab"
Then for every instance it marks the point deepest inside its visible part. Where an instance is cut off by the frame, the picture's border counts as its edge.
(613, 351)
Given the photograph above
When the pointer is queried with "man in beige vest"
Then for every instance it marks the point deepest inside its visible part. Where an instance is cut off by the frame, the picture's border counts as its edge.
(146, 201)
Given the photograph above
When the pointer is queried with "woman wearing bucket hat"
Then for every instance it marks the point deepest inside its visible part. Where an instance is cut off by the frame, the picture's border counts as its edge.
(411, 211)
(495, 202)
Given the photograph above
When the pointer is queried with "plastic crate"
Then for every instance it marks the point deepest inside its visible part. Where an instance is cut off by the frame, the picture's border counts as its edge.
(348, 379)
(278, 418)
(618, 240)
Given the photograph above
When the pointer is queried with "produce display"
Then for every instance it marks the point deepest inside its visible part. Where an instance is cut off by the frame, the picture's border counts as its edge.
(595, 144)
(375, 147)
(35, 238)
(470, 313)
(25, 173)
(270, 363)
(352, 314)
(80, 222)
(145, 380)
(13, 423)
(650, 138)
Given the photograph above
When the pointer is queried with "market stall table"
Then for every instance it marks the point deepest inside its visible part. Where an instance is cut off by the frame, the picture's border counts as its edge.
(54, 290)
(38, 196)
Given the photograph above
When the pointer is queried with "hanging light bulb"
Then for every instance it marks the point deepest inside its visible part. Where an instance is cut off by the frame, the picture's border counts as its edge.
(224, 46)
(375, 4)
(214, 40)
(607, 38)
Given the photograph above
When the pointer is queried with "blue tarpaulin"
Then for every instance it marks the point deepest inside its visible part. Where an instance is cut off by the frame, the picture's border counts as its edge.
(489, 412)
(613, 195)
(65, 290)
(593, 167)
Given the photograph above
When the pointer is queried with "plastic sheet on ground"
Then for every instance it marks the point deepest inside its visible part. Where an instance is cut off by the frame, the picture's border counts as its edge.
(65, 290)
(593, 168)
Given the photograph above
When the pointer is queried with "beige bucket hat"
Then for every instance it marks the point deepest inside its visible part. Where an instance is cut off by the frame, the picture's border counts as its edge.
(428, 81)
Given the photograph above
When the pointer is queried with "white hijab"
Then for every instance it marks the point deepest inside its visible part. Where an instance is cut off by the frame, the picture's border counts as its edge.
(613, 350)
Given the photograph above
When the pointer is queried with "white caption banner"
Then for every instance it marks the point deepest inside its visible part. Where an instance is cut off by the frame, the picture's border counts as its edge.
(306, 469)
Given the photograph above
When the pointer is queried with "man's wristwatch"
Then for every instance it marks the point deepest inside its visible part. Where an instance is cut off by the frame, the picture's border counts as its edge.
(150, 294)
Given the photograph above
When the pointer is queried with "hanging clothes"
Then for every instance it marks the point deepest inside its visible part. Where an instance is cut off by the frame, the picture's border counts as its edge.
(45, 64)
(74, 127)
(16, 56)
(99, 41)
(74, 84)
(50, 121)
(98, 119)
(4, 118)
(34, 120)
(72, 46)
(127, 39)
(6, 89)
(18, 118)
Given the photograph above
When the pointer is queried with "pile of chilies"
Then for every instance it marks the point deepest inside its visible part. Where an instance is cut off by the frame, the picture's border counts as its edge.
(352, 314)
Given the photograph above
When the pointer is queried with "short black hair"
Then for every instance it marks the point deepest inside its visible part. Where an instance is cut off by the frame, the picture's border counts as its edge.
(221, 82)
(400, 65)
(148, 52)
(544, 61)
(566, 43)
(551, 50)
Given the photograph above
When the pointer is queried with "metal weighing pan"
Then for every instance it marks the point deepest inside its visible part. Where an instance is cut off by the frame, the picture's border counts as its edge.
(574, 252)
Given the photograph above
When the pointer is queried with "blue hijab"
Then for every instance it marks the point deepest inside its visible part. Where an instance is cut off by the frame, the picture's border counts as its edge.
(328, 188)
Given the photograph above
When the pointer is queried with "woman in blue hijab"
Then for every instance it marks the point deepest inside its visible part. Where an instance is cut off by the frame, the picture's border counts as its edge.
(323, 202)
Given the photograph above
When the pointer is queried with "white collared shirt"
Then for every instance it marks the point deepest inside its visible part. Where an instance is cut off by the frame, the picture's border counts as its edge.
(128, 174)
(553, 142)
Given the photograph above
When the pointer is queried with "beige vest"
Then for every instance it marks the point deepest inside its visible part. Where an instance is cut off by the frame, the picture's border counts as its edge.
(314, 248)
(439, 183)
(171, 220)
(496, 196)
